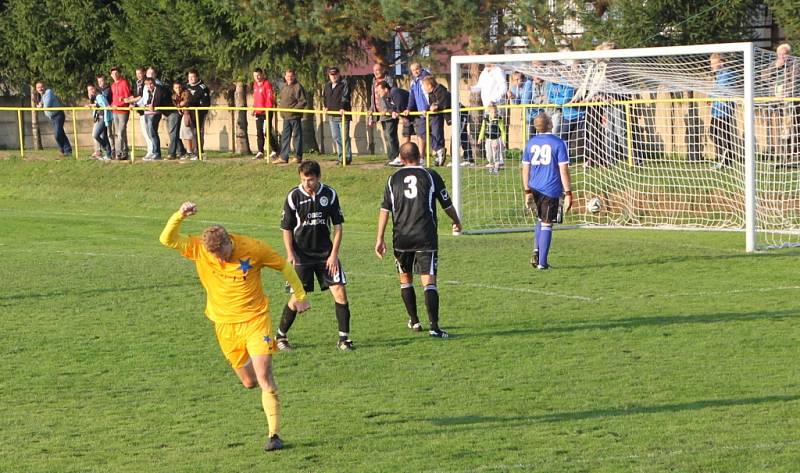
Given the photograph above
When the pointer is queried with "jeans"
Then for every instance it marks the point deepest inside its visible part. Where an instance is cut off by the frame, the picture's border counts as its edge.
(392, 141)
(437, 132)
(174, 130)
(100, 135)
(121, 127)
(335, 123)
(292, 127)
(152, 122)
(57, 120)
(261, 130)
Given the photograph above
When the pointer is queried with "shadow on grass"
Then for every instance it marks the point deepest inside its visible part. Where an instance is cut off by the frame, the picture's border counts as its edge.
(620, 263)
(613, 412)
(87, 292)
(645, 321)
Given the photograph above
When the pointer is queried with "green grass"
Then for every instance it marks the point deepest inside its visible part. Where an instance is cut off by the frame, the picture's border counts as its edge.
(641, 351)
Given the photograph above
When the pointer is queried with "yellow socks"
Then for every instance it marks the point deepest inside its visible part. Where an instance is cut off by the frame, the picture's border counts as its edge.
(272, 409)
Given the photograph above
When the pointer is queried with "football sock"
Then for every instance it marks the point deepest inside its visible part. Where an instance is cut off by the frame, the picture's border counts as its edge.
(432, 304)
(545, 236)
(286, 320)
(272, 408)
(410, 300)
(343, 317)
(537, 230)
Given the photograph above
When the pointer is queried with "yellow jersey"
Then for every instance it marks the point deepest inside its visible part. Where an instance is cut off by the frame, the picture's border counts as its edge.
(234, 292)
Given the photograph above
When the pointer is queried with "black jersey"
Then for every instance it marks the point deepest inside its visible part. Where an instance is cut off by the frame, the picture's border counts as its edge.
(310, 219)
(411, 196)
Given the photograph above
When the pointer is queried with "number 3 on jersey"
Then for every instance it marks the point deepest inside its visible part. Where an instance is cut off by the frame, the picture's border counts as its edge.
(411, 187)
(541, 154)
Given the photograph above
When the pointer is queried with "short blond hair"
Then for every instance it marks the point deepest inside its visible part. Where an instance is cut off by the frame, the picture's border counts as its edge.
(543, 123)
(786, 46)
(215, 238)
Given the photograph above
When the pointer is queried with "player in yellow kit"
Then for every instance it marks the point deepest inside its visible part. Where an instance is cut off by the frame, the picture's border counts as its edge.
(229, 267)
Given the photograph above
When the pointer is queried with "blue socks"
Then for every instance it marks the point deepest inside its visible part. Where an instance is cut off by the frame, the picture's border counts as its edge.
(545, 235)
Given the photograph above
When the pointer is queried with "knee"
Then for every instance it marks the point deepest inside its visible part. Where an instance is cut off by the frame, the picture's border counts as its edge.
(249, 383)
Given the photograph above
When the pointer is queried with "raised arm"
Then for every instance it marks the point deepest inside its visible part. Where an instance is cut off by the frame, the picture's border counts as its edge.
(170, 236)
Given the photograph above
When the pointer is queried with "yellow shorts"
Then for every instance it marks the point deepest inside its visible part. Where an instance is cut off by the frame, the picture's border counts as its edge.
(240, 341)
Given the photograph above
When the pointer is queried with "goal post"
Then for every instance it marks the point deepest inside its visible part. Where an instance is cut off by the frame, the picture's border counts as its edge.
(620, 151)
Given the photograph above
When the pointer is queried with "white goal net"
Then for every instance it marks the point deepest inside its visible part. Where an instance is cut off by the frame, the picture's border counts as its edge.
(697, 137)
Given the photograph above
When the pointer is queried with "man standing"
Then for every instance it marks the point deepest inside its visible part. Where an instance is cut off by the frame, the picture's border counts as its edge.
(308, 214)
(263, 98)
(378, 75)
(336, 98)
(57, 117)
(120, 90)
(409, 197)
(152, 117)
(229, 267)
(201, 97)
(724, 133)
(391, 102)
(545, 177)
(293, 95)
(417, 102)
(102, 121)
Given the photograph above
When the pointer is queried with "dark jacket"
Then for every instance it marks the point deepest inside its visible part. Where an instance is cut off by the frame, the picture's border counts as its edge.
(201, 96)
(336, 97)
(395, 101)
(439, 96)
(293, 96)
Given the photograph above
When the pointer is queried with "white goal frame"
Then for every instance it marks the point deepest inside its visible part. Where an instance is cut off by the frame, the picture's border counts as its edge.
(746, 49)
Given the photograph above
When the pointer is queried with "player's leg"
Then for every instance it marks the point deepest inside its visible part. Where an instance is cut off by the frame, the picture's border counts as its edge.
(247, 375)
(234, 348)
(306, 275)
(537, 229)
(405, 262)
(426, 264)
(260, 346)
(336, 283)
(547, 208)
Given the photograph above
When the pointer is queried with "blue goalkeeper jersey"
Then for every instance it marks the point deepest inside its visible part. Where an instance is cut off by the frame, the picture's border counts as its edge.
(544, 153)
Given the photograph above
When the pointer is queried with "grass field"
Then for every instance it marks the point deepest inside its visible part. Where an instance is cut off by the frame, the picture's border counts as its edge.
(640, 351)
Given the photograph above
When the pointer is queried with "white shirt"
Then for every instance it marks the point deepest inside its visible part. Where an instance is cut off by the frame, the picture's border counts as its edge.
(492, 84)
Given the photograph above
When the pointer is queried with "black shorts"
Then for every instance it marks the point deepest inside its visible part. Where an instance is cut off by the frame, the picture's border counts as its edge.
(419, 262)
(547, 208)
(408, 127)
(307, 272)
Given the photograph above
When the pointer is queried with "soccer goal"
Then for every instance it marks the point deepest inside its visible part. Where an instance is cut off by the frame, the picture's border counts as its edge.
(693, 137)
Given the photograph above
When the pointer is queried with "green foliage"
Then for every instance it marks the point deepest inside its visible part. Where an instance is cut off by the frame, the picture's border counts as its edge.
(787, 12)
(633, 23)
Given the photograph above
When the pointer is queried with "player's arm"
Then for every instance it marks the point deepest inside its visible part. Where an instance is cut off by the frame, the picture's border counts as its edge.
(271, 259)
(451, 212)
(566, 182)
(288, 222)
(440, 191)
(380, 245)
(526, 175)
(330, 264)
(288, 244)
(170, 236)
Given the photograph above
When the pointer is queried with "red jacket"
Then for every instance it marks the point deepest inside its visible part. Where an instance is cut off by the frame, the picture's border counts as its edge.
(263, 96)
(120, 90)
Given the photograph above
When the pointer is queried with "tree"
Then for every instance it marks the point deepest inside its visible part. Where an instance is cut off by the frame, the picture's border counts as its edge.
(787, 13)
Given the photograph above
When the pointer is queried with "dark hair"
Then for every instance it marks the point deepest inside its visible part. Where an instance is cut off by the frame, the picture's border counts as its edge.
(290, 70)
(384, 85)
(143, 69)
(100, 75)
(409, 152)
(178, 81)
(192, 71)
(149, 79)
(115, 68)
(259, 70)
(90, 84)
(309, 168)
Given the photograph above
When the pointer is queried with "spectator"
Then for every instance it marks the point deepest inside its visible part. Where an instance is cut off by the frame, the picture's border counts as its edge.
(263, 98)
(103, 88)
(378, 75)
(152, 116)
(784, 126)
(201, 97)
(120, 91)
(417, 102)
(492, 135)
(438, 99)
(102, 121)
(534, 92)
(723, 130)
(492, 85)
(391, 102)
(57, 117)
(187, 131)
(336, 98)
(174, 120)
(566, 120)
(292, 96)
(136, 100)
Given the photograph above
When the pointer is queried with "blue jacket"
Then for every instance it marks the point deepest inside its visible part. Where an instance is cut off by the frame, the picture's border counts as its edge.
(526, 97)
(417, 102)
(49, 100)
(101, 101)
(560, 94)
(725, 78)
